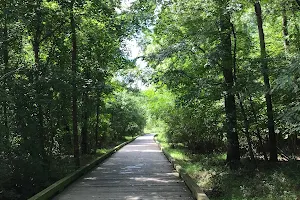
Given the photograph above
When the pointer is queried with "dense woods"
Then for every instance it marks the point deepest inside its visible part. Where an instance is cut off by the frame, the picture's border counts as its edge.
(231, 68)
(234, 63)
(223, 79)
(59, 98)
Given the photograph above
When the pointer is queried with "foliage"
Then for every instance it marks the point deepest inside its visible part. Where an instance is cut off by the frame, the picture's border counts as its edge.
(188, 60)
(158, 105)
(222, 76)
(127, 115)
(50, 52)
(203, 52)
(276, 181)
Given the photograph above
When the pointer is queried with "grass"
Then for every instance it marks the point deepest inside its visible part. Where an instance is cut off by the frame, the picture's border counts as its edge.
(268, 181)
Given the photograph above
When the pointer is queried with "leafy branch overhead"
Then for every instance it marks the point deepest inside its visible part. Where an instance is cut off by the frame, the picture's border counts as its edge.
(58, 61)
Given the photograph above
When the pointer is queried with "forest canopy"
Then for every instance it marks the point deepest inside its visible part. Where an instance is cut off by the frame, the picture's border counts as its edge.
(221, 85)
(59, 98)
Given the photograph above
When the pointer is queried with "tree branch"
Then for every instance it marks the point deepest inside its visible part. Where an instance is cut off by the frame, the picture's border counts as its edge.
(10, 73)
(234, 52)
(298, 2)
(49, 34)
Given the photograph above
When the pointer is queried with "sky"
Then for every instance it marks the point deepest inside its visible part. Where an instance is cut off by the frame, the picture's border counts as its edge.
(134, 51)
(133, 48)
(132, 44)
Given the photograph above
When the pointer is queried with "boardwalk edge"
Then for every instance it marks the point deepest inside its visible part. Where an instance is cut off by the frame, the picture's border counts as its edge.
(197, 192)
(61, 184)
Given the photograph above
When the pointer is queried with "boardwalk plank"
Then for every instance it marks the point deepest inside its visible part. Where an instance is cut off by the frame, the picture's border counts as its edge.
(138, 171)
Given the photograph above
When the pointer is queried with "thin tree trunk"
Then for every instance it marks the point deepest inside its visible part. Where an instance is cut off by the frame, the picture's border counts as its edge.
(258, 134)
(233, 152)
(265, 73)
(97, 124)
(6, 66)
(84, 132)
(86, 115)
(246, 125)
(74, 86)
(297, 29)
(38, 74)
(246, 121)
(285, 29)
(298, 37)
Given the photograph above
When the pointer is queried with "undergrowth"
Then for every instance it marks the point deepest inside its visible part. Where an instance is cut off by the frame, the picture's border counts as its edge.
(268, 181)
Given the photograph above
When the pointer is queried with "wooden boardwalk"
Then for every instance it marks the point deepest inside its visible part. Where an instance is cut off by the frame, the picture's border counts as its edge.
(138, 171)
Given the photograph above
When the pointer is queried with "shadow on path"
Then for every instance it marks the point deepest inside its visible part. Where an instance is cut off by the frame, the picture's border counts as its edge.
(138, 171)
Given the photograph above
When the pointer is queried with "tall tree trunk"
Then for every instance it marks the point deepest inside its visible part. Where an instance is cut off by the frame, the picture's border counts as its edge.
(38, 74)
(245, 118)
(233, 152)
(86, 115)
(84, 132)
(265, 73)
(74, 86)
(285, 29)
(297, 35)
(297, 42)
(6, 66)
(97, 123)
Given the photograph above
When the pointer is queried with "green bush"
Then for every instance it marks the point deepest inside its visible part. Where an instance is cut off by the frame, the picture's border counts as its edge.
(127, 118)
(200, 129)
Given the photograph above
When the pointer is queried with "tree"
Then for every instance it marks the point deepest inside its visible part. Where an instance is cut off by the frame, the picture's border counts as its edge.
(193, 49)
(74, 86)
(233, 153)
(6, 68)
(265, 73)
(43, 86)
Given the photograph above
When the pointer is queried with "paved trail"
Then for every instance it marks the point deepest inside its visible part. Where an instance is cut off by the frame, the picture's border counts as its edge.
(138, 171)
